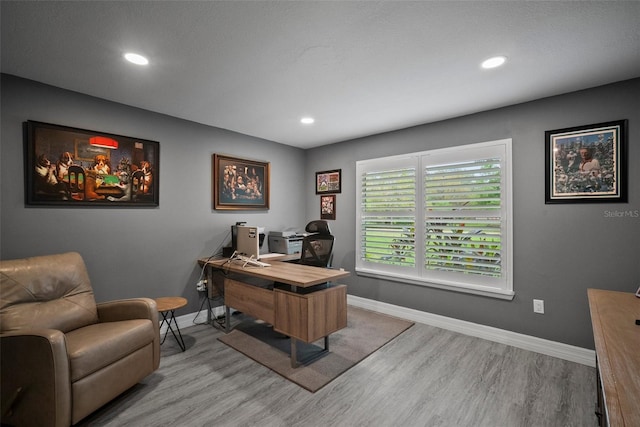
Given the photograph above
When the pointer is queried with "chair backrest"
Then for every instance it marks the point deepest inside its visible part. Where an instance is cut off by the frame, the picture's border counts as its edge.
(50, 292)
(317, 248)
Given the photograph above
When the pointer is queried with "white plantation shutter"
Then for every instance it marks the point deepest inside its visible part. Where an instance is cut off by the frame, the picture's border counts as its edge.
(459, 237)
(388, 209)
(462, 212)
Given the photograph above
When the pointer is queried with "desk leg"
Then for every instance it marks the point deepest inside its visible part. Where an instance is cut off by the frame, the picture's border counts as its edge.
(227, 318)
(294, 353)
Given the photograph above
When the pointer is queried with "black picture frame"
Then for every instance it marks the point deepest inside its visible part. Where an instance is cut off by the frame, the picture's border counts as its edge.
(73, 167)
(587, 164)
(252, 193)
(328, 206)
(329, 182)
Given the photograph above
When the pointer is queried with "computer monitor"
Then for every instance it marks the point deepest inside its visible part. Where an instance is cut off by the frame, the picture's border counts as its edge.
(234, 235)
(248, 241)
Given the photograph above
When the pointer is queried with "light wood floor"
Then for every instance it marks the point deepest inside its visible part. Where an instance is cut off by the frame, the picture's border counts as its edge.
(425, 377)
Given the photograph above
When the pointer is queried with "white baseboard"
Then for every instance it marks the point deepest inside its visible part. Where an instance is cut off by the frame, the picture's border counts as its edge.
(526, 342)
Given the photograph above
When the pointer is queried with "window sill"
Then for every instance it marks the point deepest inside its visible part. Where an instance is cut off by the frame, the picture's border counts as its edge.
(467, 289)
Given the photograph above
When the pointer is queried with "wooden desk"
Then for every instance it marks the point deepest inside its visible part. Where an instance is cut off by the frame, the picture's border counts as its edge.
(617, 340)
(299, 306)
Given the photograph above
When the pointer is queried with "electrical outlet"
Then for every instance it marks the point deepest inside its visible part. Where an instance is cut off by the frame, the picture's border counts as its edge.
(538, 306)
(201, 285)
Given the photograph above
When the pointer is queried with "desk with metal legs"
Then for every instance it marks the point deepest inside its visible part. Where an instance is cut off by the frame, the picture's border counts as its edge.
(304, 304)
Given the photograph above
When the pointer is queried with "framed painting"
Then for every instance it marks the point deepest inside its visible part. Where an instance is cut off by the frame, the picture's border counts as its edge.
(328, 182)
(587, 164)
(240, 184)
(328, 206)
(67, 166)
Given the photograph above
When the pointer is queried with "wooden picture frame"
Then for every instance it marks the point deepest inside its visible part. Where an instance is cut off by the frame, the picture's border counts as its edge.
(587, 164)
(329, 182)
(240, 184)
(328, 206)
(72, 167)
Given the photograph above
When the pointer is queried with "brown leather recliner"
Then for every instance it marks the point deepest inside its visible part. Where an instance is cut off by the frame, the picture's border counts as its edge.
(63, 355)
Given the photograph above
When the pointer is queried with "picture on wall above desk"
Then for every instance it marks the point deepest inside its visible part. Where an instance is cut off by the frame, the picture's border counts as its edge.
(328, 182)
(77, 167)
(328, 207)
(587, 164)
(240, 184)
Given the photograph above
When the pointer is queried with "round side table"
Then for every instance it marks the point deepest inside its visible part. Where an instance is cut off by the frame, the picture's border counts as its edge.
(167, 307)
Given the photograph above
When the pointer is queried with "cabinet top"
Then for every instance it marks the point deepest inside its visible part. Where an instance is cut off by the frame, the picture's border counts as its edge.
(617, 341)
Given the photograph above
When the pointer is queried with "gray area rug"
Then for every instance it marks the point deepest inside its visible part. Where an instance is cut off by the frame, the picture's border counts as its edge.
(365, 333)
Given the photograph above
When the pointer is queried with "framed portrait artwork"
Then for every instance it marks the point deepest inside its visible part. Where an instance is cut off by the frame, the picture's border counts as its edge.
(240, 184)
(587, 164)
(69, 167)
(328, 206)
(329, 182)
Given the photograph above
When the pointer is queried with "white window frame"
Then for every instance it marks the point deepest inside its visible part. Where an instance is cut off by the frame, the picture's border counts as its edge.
(499, 288)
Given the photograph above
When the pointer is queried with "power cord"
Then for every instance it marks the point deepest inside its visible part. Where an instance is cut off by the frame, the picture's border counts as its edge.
(201, 284)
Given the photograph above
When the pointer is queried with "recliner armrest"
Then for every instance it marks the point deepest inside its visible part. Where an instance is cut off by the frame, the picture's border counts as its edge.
(133, 308)
(127, 309)
(36, 389)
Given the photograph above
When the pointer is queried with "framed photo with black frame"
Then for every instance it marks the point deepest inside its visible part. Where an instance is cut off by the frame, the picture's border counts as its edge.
(587, 164)
(329, 182)
(71, 167)
(240, 184)
(328, 206)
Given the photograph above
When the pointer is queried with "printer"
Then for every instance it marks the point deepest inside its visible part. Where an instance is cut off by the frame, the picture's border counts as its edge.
(285, 242)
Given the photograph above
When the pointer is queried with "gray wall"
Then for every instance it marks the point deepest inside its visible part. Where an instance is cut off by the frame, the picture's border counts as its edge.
(559, 250)
(137, 252)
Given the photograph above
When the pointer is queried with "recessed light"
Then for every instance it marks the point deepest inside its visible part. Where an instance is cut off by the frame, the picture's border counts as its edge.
(494, 62)
(136, 59)
(307, 120)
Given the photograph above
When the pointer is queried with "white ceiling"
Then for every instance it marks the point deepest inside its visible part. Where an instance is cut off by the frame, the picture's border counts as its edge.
(358, 67)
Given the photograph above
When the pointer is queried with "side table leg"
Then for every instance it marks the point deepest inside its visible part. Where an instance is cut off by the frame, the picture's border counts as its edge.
(164, 320)
(175, 322)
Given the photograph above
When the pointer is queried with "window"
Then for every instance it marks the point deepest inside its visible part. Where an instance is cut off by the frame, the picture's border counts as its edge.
(438, 218)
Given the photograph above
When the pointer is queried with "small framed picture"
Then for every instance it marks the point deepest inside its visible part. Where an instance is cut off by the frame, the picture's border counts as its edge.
(329, 182)
(586, 164)
(328, 206)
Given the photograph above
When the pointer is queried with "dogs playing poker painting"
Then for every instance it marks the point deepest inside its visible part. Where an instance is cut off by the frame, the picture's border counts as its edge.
(76, 167)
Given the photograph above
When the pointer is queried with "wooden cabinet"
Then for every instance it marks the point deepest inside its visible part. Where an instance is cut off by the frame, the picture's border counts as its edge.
(617, 339)
(310, 316)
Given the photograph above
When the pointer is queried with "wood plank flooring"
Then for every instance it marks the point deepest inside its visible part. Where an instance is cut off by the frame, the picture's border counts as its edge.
(425, 377)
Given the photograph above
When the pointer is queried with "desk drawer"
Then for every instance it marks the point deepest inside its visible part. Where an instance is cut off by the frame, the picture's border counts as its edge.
(255, 301)
(309, 317)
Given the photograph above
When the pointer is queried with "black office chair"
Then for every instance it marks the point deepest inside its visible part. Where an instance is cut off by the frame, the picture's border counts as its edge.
(317, 248)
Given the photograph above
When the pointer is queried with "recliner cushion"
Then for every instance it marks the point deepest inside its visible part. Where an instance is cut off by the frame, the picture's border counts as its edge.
(46, 292)
(95, 346)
